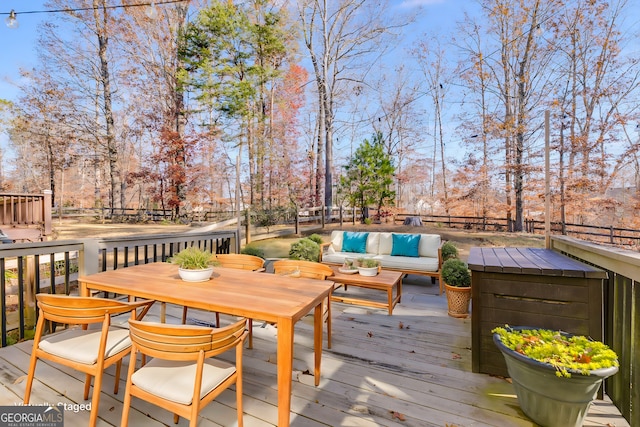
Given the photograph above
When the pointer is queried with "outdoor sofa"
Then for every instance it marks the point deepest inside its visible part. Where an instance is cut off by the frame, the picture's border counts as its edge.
(404, 252)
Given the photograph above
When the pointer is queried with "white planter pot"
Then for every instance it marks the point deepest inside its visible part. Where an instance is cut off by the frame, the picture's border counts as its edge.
(195, 275)
(368, 271)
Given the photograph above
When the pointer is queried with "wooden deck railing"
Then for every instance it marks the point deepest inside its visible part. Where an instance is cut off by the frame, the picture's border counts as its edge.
(29, 268)
(621, 316)
(25, 217)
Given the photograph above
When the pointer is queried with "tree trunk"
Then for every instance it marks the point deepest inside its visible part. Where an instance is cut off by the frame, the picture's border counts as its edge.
(112, 149)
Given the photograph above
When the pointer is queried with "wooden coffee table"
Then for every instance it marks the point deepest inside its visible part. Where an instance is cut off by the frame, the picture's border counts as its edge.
(385, 280)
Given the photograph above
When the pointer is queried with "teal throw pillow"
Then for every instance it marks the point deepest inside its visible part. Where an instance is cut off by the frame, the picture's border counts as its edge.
(405, 245)
(354, 242)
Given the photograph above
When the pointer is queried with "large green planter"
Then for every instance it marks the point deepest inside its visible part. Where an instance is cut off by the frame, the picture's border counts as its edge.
(547, 399)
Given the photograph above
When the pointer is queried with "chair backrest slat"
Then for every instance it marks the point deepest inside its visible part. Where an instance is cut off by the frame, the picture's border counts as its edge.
(308, 269)
(167, 341)
(240, 261)
(79, 310)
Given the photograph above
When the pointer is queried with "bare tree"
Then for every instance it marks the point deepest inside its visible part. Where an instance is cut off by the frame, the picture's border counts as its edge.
(399, 121)
(343, 38)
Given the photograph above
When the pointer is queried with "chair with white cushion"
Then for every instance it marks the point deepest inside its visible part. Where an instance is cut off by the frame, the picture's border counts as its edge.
(309, 270)
(183, 376)
(85, 349)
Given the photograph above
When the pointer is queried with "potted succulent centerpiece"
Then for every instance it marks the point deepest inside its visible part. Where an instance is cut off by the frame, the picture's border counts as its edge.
(349, 266)
(457, 285)
(556, 375)
(368, 266)
(194, 264)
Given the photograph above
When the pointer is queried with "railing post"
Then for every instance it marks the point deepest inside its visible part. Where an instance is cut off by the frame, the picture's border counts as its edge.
(88, 262)
(46, 211)
(322, 214)
(611, 234)
(297, 230)
(341, 213)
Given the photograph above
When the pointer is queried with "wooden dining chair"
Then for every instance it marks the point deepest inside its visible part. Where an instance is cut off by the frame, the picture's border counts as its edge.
(85, 349)
(240, 262)
(183, 377)
(309, 270)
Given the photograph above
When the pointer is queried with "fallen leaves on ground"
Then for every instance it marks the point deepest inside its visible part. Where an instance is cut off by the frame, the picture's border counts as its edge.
(455, 356)
(398, 415)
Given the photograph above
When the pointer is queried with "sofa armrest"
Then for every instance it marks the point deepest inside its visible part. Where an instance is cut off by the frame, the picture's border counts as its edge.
(323, 247)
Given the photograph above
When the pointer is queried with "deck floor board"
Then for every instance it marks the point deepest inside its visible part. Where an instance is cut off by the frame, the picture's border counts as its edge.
(409, 369)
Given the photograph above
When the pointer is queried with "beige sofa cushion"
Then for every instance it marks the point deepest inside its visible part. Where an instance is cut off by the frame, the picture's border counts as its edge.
(429, 244)
(337, 236)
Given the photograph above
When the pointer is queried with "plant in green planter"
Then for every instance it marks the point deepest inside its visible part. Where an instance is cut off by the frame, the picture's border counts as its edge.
(565, 353)
(448, 251)
(556, 375)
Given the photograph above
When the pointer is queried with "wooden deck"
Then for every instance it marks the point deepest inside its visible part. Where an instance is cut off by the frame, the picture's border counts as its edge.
(409, 369)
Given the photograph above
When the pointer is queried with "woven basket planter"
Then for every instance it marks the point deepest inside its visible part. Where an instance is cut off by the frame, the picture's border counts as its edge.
(458, 300)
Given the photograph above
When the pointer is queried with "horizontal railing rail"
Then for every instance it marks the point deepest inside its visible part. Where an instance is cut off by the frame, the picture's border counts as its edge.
(53, 267)
(621, 317)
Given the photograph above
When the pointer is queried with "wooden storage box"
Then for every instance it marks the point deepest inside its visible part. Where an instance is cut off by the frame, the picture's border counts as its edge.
(530, 287)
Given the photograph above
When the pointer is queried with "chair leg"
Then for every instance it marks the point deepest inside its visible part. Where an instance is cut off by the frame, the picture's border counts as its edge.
(32, 371)
(250, 333)
(239, 395)
(184, 315)
(217, 319)
(116, 386)
(95, 400)
(329, 321)
(87, 386)
(176, 418)
(34, 358)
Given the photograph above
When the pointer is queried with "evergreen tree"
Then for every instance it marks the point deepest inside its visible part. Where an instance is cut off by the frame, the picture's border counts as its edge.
(369, 176)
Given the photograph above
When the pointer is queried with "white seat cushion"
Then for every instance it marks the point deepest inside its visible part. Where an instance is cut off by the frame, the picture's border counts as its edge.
(175, 380)
(82, 345)
(408, 263)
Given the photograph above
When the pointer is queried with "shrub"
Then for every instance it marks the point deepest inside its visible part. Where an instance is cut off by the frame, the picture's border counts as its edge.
(305, 249)
(315, 238)
(449, 250)
(253, 250)
(455, 272)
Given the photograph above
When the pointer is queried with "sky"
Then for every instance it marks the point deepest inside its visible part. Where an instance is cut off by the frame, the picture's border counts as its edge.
(18, 44)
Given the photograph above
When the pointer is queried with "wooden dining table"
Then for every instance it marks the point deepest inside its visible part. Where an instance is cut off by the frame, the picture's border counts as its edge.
(278, 299)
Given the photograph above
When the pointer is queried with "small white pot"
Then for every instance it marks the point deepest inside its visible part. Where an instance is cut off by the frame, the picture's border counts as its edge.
(195, 275)
(373, 271)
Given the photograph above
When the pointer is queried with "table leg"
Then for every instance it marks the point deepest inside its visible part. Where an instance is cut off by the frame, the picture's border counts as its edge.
(317, 340)
(84, 291)
(285, 367)
(390, 300)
